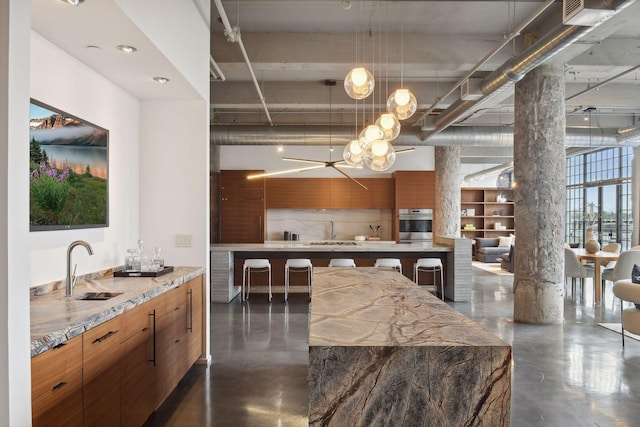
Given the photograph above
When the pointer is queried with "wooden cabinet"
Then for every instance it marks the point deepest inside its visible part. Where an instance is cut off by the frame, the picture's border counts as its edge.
(329, 193)
(101, 355)
(242, 207)
(486, 212)
(56, 385)
(139, 397)
(119, 372)
(415, 189)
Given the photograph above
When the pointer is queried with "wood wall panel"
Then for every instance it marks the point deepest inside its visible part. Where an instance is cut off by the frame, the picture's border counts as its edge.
(329, 193)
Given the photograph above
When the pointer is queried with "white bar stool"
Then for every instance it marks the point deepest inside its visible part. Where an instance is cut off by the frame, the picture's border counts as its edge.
(256, 265)
(297, 265)
(389, 263)
(342, 262)
(429, 265)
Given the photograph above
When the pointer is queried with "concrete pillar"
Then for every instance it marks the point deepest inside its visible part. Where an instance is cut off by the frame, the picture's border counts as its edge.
(447, 211)
(635, 195)
(539, 167)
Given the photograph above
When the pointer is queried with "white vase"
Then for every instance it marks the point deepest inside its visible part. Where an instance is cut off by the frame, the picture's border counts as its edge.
(592, 246)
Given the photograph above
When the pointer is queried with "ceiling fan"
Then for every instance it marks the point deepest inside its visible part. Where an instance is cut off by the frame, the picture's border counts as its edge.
(318, 164)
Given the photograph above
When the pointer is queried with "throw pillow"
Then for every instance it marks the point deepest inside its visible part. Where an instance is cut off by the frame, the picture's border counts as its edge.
(635, 278)
(505, 241)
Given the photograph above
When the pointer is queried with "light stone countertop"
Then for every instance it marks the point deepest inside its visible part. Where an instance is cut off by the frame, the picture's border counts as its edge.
(56, 318)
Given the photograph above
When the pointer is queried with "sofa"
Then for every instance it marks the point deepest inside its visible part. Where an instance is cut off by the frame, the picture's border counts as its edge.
(506, 260)
(488, 249)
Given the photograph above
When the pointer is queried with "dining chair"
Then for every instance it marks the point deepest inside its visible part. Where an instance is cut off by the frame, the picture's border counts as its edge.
(626, 290)
(576, 270)
(622, 268)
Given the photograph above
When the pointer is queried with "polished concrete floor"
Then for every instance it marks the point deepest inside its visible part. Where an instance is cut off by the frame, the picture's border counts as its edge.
(574, 374)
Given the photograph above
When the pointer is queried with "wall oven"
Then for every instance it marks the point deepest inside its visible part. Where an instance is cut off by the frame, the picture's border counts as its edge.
(416, 225)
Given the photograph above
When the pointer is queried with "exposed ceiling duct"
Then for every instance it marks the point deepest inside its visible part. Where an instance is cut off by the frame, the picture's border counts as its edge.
(482, 136)
(515, 69)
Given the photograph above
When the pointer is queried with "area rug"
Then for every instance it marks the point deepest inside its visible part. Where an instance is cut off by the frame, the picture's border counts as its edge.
(617, 327)
(493, 268)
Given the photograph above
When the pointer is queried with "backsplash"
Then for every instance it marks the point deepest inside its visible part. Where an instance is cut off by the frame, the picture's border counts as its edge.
(313, 224)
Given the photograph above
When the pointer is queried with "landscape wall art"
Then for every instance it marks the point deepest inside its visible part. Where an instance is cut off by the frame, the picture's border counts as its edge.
(68, 171)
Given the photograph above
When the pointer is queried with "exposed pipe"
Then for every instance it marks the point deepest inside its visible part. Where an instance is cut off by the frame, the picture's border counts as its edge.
(233, 35)
(490, 55)
(214, 69)
(514, 70)
(466, 136)
(602, 83)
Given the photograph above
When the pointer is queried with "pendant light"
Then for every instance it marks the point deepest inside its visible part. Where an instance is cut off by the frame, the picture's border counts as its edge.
(380, 155)
(359, 83)
(390, 126)
(402, 103)
(353, 154)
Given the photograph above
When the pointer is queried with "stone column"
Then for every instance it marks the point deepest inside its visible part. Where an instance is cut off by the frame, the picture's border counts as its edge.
(539, 167)
(635, 195)
(447, 211)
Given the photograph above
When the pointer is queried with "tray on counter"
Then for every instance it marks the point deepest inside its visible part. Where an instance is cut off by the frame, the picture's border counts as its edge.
(123, 273)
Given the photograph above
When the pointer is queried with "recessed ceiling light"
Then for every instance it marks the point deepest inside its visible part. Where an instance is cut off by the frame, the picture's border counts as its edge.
(161, 79)
(73, 2)
(92, 46)
(126, 48)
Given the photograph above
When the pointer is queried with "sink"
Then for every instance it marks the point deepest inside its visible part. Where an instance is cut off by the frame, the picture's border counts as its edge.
(98, 296)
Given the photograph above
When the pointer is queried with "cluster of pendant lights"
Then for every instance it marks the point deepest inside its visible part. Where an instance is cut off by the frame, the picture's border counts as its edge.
(373, 147)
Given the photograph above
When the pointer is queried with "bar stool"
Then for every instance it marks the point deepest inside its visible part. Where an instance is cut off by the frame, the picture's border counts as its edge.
(256, 265)
(342, 262)
(390, 263)
(297, 265)
(429, 265)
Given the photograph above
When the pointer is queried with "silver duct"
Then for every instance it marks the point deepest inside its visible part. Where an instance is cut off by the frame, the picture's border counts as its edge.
(466, 136)
(515, 69)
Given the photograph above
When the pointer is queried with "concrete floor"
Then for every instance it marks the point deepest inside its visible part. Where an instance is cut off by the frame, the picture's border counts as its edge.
(575, 374)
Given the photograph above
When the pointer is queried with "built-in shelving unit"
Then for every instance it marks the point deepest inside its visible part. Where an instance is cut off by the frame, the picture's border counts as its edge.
(485, 209)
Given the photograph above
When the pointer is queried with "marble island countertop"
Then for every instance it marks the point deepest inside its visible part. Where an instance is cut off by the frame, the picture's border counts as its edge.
(328, 246)
(56, 318)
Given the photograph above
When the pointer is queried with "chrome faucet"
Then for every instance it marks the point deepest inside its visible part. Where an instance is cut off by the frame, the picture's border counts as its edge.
(331, 233)
(71, 280)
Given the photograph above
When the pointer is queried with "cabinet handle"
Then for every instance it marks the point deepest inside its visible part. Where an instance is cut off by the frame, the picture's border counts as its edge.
(153, 315)
(176, 309)
(105, 337)
(260, 236)
(62, 344)
(59, 385)
(190, 324)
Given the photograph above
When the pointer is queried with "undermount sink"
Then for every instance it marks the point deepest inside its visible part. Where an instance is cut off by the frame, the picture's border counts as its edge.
(98, 296)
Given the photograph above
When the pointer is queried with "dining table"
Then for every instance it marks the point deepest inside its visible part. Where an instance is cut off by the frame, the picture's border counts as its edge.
(599, 259)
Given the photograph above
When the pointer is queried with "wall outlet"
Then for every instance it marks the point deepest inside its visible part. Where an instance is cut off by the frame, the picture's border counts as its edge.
(183, 240)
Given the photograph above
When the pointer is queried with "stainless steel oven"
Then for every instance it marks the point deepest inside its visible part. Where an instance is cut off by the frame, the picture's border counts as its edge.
(416, 225)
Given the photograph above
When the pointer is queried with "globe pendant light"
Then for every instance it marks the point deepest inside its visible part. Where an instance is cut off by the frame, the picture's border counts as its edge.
(379, 155)
(402, 104)
(390, 126)
(353, 154)
(371, 133)
(359, 83)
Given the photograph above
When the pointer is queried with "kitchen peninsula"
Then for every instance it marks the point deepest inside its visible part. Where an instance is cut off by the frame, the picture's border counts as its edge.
(227, 259)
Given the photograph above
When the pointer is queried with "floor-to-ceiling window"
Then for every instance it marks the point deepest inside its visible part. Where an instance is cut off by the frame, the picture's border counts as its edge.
(599, 196)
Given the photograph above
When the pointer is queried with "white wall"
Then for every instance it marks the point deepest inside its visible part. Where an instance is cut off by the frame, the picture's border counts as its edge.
(174, 179)
(76, 89)
(15, 372)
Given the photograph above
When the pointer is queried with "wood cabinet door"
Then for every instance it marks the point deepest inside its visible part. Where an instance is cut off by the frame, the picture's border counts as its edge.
(172, 342)
(56, 385)
(242, 221)
(102, 354)
(415, 189)
(195, 319)
(138, 397)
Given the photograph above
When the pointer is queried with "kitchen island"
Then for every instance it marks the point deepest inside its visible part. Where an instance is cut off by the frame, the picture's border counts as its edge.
(227, 259)
(383, 351)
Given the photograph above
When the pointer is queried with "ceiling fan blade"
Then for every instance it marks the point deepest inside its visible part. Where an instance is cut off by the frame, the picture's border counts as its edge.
(352, 179)
(308, 168)
(405, 150)
(293, 159)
